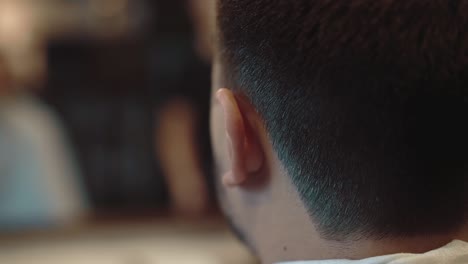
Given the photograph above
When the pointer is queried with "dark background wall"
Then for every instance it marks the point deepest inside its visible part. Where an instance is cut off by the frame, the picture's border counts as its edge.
(108, 93)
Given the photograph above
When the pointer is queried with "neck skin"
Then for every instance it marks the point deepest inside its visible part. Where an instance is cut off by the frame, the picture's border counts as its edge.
(283, 231)
(290, 236)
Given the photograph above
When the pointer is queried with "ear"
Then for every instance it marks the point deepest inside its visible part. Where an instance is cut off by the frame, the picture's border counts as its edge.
(245, 151)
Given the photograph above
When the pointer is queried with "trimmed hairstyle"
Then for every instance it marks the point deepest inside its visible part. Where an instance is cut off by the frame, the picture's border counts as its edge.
(366, 104)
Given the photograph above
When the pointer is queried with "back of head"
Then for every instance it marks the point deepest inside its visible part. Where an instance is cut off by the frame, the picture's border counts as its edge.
(366, 105)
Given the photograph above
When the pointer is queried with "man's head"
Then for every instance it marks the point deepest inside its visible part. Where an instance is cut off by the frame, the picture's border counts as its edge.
(360, 106)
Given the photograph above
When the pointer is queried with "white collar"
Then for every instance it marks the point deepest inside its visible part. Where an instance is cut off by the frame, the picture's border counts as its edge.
(454, 253)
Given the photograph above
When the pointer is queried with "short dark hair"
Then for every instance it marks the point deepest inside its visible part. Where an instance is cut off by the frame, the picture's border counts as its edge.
(365, 102)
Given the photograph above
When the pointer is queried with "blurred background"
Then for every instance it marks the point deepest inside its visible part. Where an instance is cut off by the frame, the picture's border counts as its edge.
(104, 137)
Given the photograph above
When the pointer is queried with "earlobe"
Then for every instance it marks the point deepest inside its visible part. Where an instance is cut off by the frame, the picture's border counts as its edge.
(245, 153)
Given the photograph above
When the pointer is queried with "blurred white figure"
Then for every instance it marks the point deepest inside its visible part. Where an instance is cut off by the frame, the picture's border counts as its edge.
(39, 183)
(38, 180)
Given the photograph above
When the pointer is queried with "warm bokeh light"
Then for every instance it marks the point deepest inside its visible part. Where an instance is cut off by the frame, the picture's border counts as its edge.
(17, 21)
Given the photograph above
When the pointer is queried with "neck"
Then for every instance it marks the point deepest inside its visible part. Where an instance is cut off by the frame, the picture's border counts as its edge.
(290, 236)
(296, 243)
(284, 231)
